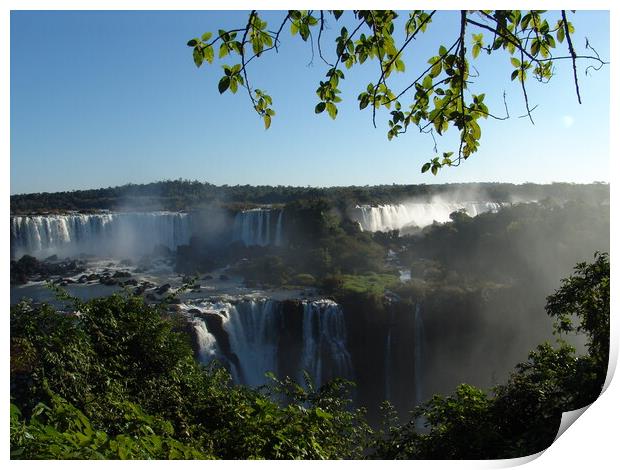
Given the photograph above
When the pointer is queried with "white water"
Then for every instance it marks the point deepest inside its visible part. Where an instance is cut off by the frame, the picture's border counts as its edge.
(114, 234)
(398, 216)
(254, 333)
(255, 227)
(324, 342)
(130, 234)
(208, 349)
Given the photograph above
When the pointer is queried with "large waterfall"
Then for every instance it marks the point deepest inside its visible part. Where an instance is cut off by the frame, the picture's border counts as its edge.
(253, 337)
(260, 227)
(398, 216)
(130, 234)
(111, 234)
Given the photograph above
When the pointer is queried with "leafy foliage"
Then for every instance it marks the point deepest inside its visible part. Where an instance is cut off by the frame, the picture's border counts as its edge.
(440, 96)
(116, 378)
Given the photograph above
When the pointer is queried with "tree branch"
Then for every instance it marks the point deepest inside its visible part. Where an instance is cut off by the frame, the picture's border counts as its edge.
(572, 53)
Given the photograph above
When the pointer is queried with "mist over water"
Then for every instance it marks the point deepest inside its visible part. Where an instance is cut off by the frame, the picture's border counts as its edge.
(111, 234)
(412, 215)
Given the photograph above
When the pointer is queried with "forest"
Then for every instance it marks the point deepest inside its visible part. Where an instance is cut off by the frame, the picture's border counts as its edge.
(182, 194)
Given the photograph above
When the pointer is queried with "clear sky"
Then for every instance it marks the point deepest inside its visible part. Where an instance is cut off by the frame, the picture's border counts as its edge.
(106, 98)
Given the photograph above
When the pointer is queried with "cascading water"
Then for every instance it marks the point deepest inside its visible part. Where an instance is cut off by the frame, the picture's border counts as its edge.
(324, 355)
(207, 344)
(396, 217)
(254, 227)
(248, 338)
(115, 234)
(253, 330)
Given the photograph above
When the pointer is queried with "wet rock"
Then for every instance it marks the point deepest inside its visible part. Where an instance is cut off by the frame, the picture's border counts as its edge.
(108, 281)
(224, 277)
(122, 274)
(162, 289)
(83, 278)
(151, 296)
(194, 311)
(208, 277)
(51, 259)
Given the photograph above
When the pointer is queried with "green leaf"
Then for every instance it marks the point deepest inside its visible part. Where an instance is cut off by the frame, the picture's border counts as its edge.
(434, 169)
(224, 84)
(207, 53)
(319, 108)
(364, 100)
(192, 42)
(198, 57)
(514, 61)
(267, 120)
(323, 414)
(331, 110)
(476, 50)
(514, 74)
(206, 36)
(426, 167)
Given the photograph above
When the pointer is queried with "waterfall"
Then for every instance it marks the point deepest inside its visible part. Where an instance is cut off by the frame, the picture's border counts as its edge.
(253, 330)
(248, 339)
(324, 354)
(254, 227)
(207, 344)
(398, 216)
(278, 239)
(112, 234)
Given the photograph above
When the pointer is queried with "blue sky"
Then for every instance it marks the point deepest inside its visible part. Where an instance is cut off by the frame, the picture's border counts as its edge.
(105, 98)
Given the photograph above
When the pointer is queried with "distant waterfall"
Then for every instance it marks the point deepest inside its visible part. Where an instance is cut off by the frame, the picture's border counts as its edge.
(398, 216)
(248, 337)
(124, 234)
(257, 227)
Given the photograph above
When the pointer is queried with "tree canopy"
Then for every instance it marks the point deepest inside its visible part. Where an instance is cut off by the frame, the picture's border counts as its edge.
(438, 95)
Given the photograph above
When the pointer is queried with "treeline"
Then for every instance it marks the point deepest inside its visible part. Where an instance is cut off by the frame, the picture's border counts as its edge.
(177, 195)
(115, 378)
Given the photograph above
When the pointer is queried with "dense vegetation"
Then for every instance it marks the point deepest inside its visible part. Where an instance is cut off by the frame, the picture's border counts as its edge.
(116, 378)
(185, 195)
